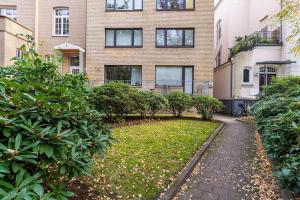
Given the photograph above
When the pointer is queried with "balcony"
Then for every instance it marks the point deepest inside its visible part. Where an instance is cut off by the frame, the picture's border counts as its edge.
(259, 38)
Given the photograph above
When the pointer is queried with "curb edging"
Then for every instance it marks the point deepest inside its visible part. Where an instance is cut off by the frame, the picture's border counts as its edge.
(188, 169)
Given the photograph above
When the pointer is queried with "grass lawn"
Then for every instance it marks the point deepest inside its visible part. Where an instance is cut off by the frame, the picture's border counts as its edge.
(147, 157)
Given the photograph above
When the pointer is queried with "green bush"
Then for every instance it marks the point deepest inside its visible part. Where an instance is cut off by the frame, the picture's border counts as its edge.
(179, 102)
(48, 132)
(114, 98)
(277, 114)
(155, 102)
(206, 106)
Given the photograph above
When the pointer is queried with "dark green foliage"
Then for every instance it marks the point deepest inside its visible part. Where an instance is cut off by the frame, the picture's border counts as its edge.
(277, 114)
(179, 102)
(48, 132)
(119, 99)
(155, 102)
(114, 98)
(206, 106)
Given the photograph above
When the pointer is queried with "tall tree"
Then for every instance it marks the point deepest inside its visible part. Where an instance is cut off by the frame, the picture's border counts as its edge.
(290, 15)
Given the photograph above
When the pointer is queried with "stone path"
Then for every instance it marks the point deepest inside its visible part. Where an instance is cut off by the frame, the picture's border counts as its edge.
(224, 173)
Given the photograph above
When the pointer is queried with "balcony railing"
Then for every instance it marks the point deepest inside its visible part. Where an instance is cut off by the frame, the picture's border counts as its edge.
(259, 38)
(167, 86)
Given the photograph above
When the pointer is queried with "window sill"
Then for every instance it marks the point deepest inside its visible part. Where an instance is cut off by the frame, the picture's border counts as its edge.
(120, 47)
(175, 47)
(139, 10)
(247, 85)
(159, 10)
(60, 35)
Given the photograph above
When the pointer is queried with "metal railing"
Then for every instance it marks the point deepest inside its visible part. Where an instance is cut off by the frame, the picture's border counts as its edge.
(267, 37)
(166, 87)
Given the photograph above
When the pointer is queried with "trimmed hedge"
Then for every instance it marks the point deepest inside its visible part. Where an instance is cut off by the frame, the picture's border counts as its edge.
(277, 114)
(117, 99)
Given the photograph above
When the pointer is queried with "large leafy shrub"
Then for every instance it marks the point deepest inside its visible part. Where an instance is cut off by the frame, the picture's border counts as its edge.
(155, 102)
(179, 102)
(277, 114)
(48, 131)
(115, 98)
(206, 106)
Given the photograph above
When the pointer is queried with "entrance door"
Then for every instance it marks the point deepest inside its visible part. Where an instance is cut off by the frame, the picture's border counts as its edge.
(74, 65)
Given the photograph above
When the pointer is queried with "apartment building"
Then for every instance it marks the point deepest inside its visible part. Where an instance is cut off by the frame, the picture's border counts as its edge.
(161, 45)
(259, 50)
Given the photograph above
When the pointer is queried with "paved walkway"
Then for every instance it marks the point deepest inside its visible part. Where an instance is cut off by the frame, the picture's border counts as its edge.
(224, 172)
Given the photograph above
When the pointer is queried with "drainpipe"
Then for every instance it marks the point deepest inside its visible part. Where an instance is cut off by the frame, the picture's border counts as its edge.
(231, 86)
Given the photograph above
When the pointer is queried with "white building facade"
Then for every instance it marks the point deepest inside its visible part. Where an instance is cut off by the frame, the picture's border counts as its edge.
(262, 52)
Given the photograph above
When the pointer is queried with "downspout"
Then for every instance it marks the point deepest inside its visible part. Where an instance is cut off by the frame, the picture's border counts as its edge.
(231, 86)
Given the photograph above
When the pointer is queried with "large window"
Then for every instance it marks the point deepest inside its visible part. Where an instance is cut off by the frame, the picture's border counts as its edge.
(176, 76)
(175, 4)
(123, 37)
(176, 37)
(10, 12)
(127, 74)
(124, 5)
(61, 22)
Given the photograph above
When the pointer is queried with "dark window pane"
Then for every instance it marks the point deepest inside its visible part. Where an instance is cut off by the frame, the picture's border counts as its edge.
(127, 74)
(246, 76)
(74, 61)
(175, 4)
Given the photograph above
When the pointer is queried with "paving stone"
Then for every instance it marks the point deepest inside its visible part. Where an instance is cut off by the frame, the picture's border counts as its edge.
(224, 169)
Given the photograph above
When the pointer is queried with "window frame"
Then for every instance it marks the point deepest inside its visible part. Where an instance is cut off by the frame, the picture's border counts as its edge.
(54, 22)
(185, 9)
(175, 46)
(132, 38)
(13, 17)
(182, 78)
(116, 10)
(141, 73)
(249, 73)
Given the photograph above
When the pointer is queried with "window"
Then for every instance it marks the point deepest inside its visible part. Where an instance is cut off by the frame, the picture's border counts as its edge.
(20, 53)
(74, 65)
(219, 30)
(175, 37)
(9, 12)
(175, 4)
(61, 22)
(127, 74)
(124, 5)
(266, 74)
(218, 58)
(123, 37)
(246, 75)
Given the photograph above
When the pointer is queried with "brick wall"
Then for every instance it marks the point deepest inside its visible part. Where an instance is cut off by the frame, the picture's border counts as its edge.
(149, 19)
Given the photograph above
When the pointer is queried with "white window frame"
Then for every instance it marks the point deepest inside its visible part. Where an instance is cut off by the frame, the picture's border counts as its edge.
(3, 12)
(62, 17)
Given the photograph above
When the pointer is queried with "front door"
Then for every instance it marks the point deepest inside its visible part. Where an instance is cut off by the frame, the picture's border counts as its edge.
(74, 65)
